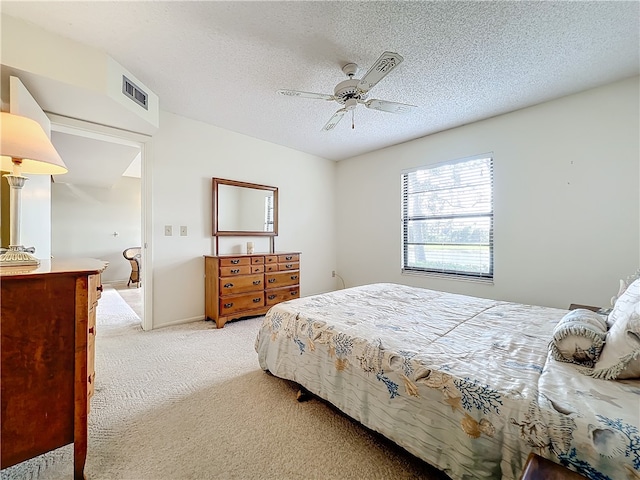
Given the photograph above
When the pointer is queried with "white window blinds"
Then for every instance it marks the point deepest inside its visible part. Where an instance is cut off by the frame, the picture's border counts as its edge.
(447, 218)
(268, 213)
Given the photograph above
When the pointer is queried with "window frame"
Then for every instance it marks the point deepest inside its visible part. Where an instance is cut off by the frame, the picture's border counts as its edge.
(486, 277)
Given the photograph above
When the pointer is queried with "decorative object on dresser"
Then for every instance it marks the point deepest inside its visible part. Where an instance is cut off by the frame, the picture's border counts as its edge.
(239, 286)
(48, 317)
(24, 148)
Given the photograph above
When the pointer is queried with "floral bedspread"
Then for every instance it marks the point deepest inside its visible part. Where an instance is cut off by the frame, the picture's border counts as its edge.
(464, 383)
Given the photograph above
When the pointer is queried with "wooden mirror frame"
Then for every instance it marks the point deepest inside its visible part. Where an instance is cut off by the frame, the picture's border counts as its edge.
(243, 233)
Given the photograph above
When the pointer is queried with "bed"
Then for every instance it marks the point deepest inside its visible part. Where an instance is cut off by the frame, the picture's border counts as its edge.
(466, 384)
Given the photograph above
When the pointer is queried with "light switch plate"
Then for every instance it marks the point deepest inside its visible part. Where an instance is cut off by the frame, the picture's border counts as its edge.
(183, 231)
(168, 230)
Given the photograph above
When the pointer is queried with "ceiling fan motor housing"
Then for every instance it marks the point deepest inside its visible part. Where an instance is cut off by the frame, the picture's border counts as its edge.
(347, 90)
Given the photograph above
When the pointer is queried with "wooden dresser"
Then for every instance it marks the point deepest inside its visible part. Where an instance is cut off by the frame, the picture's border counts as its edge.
(239, 286)
(48, 327)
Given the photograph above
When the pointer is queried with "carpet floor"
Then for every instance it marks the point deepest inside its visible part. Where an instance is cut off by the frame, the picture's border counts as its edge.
(191, 402)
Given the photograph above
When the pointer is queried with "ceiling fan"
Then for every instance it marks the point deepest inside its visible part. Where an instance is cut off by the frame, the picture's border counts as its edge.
(353, 91)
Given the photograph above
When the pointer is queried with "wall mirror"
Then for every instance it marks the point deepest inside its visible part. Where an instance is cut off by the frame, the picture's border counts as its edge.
(244, 209)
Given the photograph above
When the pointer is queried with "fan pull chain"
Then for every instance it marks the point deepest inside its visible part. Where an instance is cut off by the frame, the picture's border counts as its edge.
(353, 114)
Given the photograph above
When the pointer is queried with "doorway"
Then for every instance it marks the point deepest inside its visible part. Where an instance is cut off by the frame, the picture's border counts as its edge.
(112, 221)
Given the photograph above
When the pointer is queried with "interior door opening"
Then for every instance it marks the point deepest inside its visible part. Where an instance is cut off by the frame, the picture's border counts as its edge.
(101, 209)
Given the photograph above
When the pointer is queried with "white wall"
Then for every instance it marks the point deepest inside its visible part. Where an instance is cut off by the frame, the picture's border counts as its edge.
(567, 215)
(85, 218)
(186, 155)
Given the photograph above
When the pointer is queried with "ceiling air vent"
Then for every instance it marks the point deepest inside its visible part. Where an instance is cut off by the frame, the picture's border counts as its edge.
(134, 92)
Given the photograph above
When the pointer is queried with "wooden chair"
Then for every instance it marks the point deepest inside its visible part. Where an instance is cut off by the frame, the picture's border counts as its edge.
(134, 255)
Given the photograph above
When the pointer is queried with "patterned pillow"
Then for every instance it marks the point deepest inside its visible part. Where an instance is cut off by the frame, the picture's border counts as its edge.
(621, 354)
(579, 337)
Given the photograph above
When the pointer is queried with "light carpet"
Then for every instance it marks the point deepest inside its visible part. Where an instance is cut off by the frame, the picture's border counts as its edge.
(191, 402)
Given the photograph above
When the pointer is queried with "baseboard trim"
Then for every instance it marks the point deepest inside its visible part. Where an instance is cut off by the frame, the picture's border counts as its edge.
(181, 322)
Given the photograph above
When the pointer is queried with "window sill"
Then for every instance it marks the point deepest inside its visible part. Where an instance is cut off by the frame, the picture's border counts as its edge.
(411, 273)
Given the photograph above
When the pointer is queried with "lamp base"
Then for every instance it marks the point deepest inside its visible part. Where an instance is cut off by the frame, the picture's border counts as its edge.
(17, 256)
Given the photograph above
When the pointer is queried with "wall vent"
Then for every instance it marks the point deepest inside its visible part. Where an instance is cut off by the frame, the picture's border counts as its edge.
(135, 93)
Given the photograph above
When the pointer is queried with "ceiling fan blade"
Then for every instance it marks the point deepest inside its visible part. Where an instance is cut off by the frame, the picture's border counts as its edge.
(296, 93)
(387, 62)
(334, 120)
(391, 107)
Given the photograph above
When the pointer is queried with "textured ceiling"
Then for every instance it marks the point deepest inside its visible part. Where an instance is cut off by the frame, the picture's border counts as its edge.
(222, 62)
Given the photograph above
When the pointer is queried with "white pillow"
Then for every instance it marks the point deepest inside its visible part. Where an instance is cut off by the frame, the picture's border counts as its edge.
(620, 357)
(627, 294)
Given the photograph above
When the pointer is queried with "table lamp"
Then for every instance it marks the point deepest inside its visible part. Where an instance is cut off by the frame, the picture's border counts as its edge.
(24, 148)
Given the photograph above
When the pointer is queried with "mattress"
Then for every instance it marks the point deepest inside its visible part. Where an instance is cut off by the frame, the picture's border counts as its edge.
(464, 383)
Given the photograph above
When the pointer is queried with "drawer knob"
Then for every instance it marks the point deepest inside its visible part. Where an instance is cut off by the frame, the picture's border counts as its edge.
(228, 285)
(272, 280)
(236, 261)
(271, 297)
(289, 265)
(99, 288)
(235, 270)
(256, 300)
(91, 330)
(257, 282)
(288, 258)
(294, 293)
(294, 277)
(228, 305)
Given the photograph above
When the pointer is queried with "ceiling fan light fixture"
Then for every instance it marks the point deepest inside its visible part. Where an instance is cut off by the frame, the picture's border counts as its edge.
(350, 104)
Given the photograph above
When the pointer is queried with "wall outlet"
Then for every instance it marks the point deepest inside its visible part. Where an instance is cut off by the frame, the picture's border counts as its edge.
(183, 231)
(168, 230)
(333, 273)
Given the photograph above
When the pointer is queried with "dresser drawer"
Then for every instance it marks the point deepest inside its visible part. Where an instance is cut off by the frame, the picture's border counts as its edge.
(230, 262)
(91, 319)
(291, 257)
(91, 354)
(271, 259)
(235, 270)
(281, 279)
(91, 369)
(257, 268)
(272, 267)
(94, 285)
(289, 266)
(91, 389)
(282, 295)
(257, 260)
(237, 303)
(241, 284)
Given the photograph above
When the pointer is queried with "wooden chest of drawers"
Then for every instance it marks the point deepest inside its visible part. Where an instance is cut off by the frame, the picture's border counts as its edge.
(239, 286)
(47, 374)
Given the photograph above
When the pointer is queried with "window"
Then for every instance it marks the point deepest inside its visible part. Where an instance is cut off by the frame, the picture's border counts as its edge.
(447, 218)
(268, 213)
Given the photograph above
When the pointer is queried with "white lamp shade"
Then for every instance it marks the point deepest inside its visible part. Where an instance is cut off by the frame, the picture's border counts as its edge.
(24, 139)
